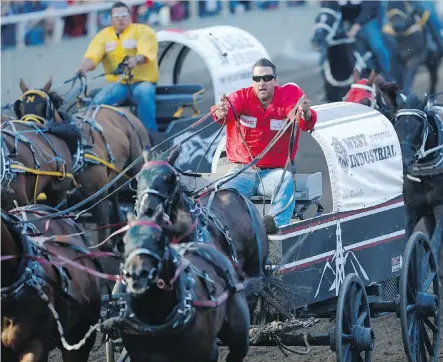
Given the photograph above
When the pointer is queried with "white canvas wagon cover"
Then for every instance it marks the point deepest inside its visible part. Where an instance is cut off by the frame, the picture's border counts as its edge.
(362, 153)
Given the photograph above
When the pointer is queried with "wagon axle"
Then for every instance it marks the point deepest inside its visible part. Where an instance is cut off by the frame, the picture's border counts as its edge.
(425, 305)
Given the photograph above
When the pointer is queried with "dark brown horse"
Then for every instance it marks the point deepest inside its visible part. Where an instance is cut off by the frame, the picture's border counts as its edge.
(111, 139)
(230, 220)
(225, 218)
(375, 92)
(36, 158)
(29, 330)
(181, 297)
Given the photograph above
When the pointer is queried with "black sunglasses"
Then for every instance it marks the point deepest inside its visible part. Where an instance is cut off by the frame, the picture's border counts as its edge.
(266, 78)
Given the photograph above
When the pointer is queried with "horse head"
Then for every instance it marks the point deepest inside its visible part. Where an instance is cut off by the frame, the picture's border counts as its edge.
(149, 259)
(326, 25)
(158, 183)
(362, 90)
(375, 92)
(39, 103)
(399, 17)
(411, 125)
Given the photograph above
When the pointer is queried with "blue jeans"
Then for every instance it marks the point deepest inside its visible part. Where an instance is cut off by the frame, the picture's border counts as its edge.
(372, 33)
(143, 94)
(248, 184)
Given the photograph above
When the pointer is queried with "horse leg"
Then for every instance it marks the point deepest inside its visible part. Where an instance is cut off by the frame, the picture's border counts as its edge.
(35, 351)
(432, 65)
(235, 330)
(81, 354)
(411, 220)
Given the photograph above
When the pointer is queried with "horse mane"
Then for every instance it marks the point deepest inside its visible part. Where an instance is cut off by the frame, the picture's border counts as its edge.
(390, 88)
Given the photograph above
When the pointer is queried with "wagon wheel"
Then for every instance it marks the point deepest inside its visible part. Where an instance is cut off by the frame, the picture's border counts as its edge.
(420, 300)
(354, 337)
(110, 353)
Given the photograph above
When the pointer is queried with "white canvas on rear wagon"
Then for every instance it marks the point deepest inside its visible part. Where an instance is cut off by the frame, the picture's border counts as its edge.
(362, 152)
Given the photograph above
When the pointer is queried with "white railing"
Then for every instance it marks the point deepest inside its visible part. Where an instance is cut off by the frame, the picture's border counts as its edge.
(91, 9)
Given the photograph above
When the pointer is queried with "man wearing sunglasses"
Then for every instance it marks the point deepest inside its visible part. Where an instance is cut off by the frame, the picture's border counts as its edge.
(111, 45)
(253, 117)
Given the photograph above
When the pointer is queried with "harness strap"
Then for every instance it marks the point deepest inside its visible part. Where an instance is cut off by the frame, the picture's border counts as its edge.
(218, 301)
(92, 157)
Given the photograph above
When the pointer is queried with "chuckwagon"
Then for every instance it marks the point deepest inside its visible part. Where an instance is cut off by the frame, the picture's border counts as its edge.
(353, 263)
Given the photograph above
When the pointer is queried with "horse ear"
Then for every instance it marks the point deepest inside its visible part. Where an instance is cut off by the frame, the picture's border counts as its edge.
(174, 155)
(371, 78)
(47, 86)
(147, 154)
(399, 100)
(24, 88)
(356, 75)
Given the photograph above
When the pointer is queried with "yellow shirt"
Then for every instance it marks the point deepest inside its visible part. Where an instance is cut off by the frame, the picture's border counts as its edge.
(136, 39)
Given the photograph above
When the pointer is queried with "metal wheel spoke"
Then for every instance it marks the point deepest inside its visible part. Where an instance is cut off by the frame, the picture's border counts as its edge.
(428, 281)
(425, 263)
(348, 320)
(421, 347)
(427, 341)
(410, 308)
(346, 352)
(350, 307)
(346, 338)
(362, 318)
(356, 356)
(357, 304)
(415, 267)
(431, 325)
(411, 325)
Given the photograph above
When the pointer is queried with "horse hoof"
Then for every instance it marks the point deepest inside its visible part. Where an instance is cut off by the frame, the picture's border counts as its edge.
(270, 225)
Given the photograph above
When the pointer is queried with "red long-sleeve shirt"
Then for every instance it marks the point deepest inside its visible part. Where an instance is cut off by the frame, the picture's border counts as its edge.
(259, 125)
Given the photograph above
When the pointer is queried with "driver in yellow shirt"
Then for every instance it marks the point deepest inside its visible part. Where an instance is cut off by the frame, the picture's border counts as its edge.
(110, 46)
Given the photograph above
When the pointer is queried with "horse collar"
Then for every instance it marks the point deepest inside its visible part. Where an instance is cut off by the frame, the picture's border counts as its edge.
(179, 318)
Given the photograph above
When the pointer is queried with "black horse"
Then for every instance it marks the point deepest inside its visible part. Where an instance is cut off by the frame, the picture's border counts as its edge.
(180, 297)
(411, 44)
(420, 132)
(341, 54)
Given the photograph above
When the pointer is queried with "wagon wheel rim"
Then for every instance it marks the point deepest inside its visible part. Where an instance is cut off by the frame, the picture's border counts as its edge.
(420, 301)
(354, 338)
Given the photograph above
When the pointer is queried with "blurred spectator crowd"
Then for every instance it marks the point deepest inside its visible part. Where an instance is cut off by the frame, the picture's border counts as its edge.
(153, 13)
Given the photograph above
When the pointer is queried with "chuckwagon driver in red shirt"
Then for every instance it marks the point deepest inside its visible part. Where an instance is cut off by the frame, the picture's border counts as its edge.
(261, 110)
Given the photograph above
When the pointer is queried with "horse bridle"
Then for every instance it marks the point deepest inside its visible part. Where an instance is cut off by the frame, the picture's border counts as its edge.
(332, 30)
(421, 153)
(155, 272)
(49, 105)
(167, 200)
(371, 90)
